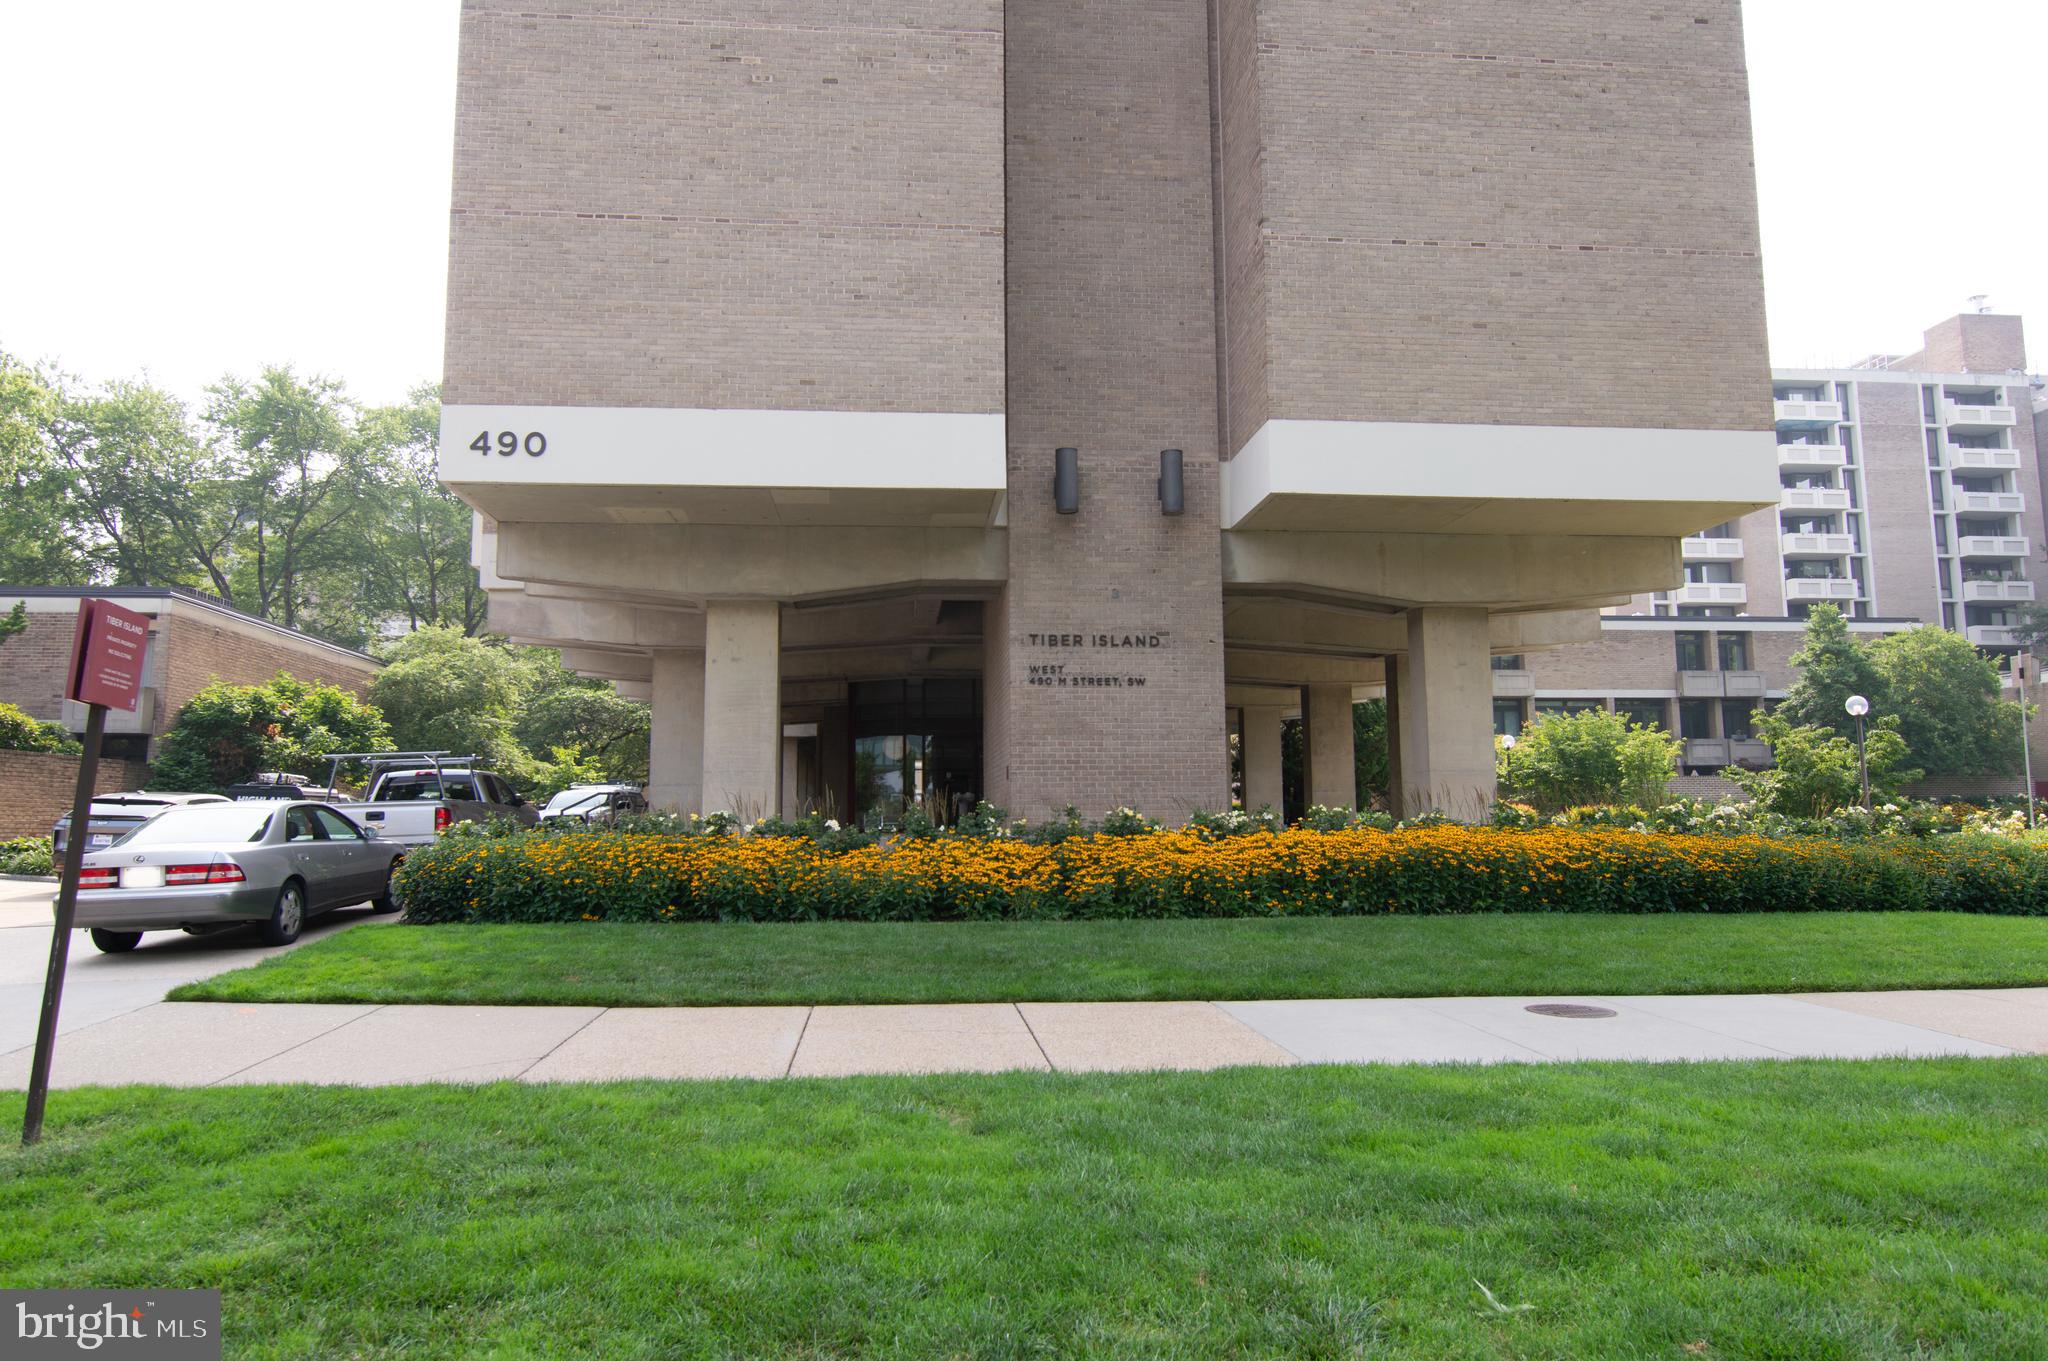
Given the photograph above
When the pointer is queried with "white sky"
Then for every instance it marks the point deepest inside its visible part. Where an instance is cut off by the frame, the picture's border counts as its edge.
(201, 187)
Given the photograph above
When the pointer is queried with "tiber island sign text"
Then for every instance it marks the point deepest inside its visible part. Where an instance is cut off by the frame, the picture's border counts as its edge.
(1066, 676)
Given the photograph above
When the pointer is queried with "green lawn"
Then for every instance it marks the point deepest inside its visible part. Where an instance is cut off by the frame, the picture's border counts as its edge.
(1508, 955)
(1776, 1210)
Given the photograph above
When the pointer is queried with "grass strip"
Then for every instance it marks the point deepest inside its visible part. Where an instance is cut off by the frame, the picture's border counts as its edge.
(1813, 1210)
(619, 964)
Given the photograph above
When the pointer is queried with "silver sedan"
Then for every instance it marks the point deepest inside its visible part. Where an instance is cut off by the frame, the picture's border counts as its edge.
(202, 868)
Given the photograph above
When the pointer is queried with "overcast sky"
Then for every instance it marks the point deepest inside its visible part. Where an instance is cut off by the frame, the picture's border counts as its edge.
(201, 187)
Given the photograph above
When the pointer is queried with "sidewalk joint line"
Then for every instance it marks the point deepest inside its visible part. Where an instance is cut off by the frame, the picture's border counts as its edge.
(1050, 1066)
(557, 1044)
(374, 1009)
(801, 1031)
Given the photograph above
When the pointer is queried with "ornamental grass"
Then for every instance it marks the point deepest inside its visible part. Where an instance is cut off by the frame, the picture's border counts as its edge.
(1299, 872)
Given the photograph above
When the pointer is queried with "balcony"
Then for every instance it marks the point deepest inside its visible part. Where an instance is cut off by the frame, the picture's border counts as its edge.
(1990, 502)
(1990, 460)
(1987, 546)
(1710, 753)
(1749, 752)
(1720, 684)
(1987, 592)
(1817, 545)
(1811, 413)
(1821, 588)
(1514, 684)
(1968, 416)
(1711, 593)
(1813, 498)
(1992, 635)
(1711, 550)
(1812, 456)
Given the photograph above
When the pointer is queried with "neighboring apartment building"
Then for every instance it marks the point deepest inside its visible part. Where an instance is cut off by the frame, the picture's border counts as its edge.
(194, 640)
(1911, 494)
(943, 399)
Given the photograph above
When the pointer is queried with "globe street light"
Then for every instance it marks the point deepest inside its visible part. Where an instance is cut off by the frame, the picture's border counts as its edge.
(1858, 707)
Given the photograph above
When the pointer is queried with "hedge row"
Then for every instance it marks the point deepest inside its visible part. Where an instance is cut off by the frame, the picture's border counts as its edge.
(611, 877)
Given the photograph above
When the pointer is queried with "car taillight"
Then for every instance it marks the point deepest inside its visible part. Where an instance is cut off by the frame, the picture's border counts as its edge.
(220, 872)
(94, 878)
(443, 819)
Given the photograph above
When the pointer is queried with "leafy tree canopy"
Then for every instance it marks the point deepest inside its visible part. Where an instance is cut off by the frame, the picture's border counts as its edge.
(1832, 666)
(1816, 771)
(1945, 694)
(19, 732)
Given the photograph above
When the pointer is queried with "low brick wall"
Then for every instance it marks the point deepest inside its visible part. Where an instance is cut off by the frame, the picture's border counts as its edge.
(1970, 788)
(35, 788)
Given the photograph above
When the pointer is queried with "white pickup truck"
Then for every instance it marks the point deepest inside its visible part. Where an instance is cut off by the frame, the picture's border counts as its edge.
(414, 796)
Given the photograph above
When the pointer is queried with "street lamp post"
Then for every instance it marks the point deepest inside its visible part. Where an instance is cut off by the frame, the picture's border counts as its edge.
(2022, 673)
(1858, 707)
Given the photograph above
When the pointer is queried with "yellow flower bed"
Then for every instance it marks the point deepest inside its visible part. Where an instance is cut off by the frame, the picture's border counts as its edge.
(613, 877)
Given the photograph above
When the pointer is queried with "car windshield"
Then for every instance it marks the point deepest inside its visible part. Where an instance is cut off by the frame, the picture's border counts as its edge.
(572, 800)
(225, 822)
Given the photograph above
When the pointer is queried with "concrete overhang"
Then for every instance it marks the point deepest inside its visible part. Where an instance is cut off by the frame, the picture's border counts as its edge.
(699, 562)
(1502, 573)
(665, 466)
(1364, 476)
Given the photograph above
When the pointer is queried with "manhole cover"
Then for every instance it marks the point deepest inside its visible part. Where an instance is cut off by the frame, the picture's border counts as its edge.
(1575, 1010)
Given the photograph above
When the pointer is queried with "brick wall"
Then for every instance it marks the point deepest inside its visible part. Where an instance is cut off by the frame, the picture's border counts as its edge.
(1111, 349)
(795, 204)
(1491, 212)
(36, 788)
(1898, 517)
(1970, 343)
(198, 653)
(33, 664)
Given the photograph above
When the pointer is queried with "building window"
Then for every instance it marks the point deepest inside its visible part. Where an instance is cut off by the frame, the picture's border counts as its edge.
(1737, 719)
(1507, 718)
(1646, 713)
(1701, 572)
(1695, 718)
(1553, 708)
(1692, 651)
(1509, 662)
(1734, 651)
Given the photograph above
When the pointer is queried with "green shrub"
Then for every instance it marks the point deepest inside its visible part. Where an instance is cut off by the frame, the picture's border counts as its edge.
(1588, 758)
(19, 732)
(227, 733)
(26, 855)
(1817, 772)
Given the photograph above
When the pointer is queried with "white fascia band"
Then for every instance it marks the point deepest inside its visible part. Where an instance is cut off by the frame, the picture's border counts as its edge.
(677, 447)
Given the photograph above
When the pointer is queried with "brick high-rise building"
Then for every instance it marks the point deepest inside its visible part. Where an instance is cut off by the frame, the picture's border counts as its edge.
(1910, 496)
(1385, 337)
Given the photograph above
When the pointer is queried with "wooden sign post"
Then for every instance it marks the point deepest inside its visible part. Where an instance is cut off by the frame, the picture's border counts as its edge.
(106, 673)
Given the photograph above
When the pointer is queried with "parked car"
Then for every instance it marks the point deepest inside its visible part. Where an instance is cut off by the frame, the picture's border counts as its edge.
(112, 816)
(594, 804)
(415, 796)
(221, 864)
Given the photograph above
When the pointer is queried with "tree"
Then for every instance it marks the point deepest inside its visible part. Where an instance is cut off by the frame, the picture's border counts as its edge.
(15, 622)
(1817, 772)
(1588, 758)
(589, 720)
(1832, 666)
(1946, 696)
(417, 532)
(226, 733)
(37, 544)
(1369, 750)
(442, 690)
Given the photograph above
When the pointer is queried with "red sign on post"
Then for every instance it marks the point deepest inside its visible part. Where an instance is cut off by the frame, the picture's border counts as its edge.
(106, 655)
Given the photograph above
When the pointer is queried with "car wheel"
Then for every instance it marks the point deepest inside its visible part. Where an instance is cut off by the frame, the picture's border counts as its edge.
(387, 901)
(115, 942)
(287, 917)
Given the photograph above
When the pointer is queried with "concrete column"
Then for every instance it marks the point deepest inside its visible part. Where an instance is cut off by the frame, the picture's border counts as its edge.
(1263, 786)
(743, 707)
(1397, 676)
(675, 748)
(1332, 755)
(1447, 714)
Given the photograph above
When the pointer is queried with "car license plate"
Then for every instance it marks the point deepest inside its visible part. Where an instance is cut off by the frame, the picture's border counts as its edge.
(142, 876)
(100, 839)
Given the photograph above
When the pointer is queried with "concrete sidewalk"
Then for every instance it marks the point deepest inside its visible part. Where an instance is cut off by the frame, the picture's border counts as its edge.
(204, 1043)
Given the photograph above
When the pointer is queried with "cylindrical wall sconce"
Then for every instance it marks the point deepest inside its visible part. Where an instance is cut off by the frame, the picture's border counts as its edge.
(1172, 490)
(1066, 481)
